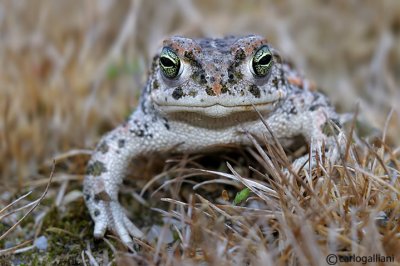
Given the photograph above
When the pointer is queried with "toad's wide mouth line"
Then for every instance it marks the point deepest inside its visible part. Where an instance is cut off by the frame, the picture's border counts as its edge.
(216, 105)
(217, 110)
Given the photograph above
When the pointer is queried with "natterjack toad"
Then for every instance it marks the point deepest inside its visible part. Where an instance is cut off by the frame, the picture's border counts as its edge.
(202, 93)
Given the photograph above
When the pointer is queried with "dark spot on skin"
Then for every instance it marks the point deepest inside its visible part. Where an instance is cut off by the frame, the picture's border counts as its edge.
(177, 93)
(155, 85)
(336, 122)
(239, 57)
(103, 148)
(231, 76)
(96, 198)
(96, 212)
(103, 195)
(224, 88)
(283, 81)
(121, 143)
(232, 72)
(315, 107)
(209, 91)
(96, 168)
(275, 82)
(238, 75)
(192, 93)
(198, 74)
(201, 100)
(154, 64)
(87, 197)
(199, 77)
(139, 133)
(191, 59)
(255, 91)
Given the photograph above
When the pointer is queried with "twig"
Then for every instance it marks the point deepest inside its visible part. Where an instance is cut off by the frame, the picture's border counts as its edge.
(34, 207)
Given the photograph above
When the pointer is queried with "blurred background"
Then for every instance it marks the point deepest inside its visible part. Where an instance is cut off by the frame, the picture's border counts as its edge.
(72, 70)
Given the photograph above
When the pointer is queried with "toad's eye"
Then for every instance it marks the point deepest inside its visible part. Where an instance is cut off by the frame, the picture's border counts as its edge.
(262, 62)
(169, 63)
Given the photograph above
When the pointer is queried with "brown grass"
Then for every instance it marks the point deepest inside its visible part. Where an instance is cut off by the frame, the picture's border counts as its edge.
(73, 70)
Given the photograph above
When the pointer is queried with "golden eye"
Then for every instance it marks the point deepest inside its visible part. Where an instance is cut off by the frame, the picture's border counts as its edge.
(262, 62)
(169, 63)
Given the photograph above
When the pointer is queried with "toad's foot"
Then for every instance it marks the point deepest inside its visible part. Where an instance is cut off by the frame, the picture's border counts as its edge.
(332, 154)
(112, 216)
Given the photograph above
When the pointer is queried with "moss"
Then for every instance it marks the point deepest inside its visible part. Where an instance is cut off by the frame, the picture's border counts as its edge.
(5, 260)
(65, 245)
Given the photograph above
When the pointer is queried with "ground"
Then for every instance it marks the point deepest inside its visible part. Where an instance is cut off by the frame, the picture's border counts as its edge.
(73, 70)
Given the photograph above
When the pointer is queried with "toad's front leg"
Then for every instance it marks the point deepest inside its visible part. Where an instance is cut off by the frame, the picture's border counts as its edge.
(106, 170)
(309, 114)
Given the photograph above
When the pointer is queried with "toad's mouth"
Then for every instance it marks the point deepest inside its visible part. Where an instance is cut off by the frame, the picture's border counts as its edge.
(216, 109)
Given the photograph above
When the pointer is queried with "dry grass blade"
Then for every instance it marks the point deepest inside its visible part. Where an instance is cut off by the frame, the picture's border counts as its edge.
(12, 250)
(13, 203)
(238, 178)
(17, 210)
(37, 202)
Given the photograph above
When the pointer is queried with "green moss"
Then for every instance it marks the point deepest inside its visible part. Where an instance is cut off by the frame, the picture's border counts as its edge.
(75, 228)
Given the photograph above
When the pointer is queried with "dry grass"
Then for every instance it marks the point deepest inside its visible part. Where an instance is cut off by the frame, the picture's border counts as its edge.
(73, 70)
